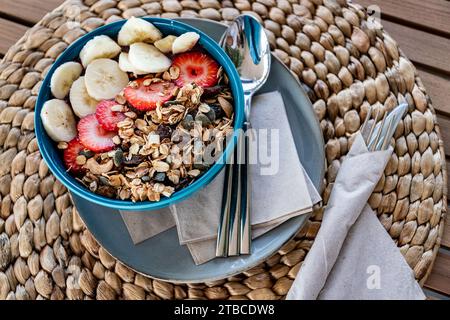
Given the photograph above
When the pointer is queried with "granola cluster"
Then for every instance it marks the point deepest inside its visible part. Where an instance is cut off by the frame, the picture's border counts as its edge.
(164, 150)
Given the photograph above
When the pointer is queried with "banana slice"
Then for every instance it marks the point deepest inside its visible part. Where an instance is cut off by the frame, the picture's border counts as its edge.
(63, 78)
(147, 58)
(82, 103)
(138, 30)
(165, 45)
(104, 79)
(185, 42)
(58, 120)
(125, 65)
(98, 48)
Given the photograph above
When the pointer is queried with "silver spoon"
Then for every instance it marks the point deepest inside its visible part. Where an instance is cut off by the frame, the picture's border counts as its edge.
(247, 45)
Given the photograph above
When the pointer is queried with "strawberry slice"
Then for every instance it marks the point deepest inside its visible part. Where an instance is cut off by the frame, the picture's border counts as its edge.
(93, 136)
(70, 156)
(196, 67)
(107, 118)
(145, 98)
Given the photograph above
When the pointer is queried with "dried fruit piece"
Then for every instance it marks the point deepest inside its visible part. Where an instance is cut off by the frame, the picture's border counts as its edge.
(164, 132)
(210, 92)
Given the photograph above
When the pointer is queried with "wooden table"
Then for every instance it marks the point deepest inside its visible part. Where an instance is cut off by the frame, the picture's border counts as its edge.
(422, 29)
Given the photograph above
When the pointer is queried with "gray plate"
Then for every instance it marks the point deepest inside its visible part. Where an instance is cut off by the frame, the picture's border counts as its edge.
(162, 257)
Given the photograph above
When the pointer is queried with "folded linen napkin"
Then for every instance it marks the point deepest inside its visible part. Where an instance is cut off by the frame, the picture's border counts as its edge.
(143, 225)
(353, 257)
(273, 203)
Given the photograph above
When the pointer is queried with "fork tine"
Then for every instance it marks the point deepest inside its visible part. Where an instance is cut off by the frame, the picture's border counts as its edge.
(373, 126)
(366, 121)
(380, 129)
(385, 140)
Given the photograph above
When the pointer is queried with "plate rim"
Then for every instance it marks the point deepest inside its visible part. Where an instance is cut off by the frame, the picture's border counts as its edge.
(262, 258)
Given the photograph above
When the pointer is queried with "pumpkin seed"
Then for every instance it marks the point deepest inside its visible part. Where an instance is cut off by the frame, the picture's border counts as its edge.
(188, 122)
(104, 181)
(160, 177)
(118, 158)
(86, 153)
(200, 117)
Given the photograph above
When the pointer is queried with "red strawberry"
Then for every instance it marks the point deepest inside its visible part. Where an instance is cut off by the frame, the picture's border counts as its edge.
(70, 156)
(107, 118)
(145, 98)
(93, 136)
(196, 67)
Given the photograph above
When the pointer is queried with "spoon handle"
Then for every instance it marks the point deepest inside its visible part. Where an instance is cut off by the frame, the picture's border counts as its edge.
(234, 236)
(245, 223)
(223, 230)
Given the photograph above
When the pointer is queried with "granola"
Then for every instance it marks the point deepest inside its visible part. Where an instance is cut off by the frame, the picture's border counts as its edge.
(161, 151)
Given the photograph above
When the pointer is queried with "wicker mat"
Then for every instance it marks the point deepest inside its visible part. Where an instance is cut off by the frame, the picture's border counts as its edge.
(347, 64)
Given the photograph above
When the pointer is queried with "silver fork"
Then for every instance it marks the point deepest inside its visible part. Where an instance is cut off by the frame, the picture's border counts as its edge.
(380, 133)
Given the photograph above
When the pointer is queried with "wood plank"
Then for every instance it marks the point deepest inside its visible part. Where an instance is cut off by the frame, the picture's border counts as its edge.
(445, 241)
(421, 47)
(438, 88)
(28, 11)
(444, 125)
(439, 279)
(10, 34)
(434, 14)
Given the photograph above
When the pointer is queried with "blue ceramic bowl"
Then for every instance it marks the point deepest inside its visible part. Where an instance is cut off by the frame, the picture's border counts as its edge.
(53, 156)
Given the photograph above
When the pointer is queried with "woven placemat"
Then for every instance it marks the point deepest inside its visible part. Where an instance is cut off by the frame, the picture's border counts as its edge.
(347, 65)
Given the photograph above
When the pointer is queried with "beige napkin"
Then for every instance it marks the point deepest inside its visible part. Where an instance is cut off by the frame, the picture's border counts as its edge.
(353, 257)
(273, 202)
(143, 225)
(285, 194)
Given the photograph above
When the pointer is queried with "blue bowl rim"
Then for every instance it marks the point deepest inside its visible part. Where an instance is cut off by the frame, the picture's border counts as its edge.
(238, 94)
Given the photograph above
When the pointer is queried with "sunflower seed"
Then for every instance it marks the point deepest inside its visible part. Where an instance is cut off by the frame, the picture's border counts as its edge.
(226, 106)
